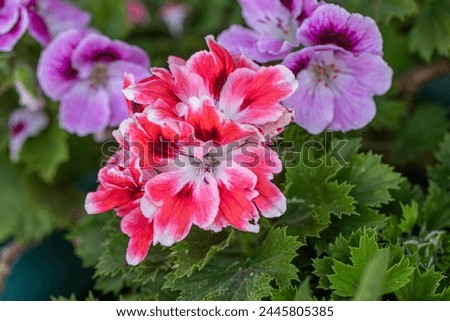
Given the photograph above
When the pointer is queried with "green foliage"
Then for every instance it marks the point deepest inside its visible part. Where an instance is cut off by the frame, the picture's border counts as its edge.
(44, 154)
(381, 10)
(431, 33)
(424, 287)
(227, 278)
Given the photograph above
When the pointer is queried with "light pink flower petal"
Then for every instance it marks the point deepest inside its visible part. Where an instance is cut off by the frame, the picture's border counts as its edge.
(174, 16)
(23, 124)
(9, 39)
(371, 71)
(140, 230)
(38, 28)
(56, 74)
(181, 197)
(61, 15)
(353, 110)
(253, 97)
(85, 110)
(9, 15)
(331, 24)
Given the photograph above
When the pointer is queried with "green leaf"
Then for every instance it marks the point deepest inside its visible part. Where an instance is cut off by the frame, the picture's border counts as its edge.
(313, 196)
(370, 286)
(431, 33)
(25, 77)
(30, 209)
(226, 277)
(87, 237)
(347, 278)
(381, 10)
(45, 153)
(372, 180)
(389, 114)
(422, 133)
(440, 173)
(423, 287)
(197, 250)
(410, 215)
(436, 210)
(303, 292)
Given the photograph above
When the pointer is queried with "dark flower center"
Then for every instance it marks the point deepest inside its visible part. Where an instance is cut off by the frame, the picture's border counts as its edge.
(325, 73)
(2, 3)
(288, 4)
(106, 57)
(17, 128)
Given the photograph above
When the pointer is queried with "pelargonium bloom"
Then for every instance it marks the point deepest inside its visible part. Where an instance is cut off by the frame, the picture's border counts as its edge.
(84, 71)
(331, 24)
(44, 19)
(137, 12)
(23, 124)
(174, 16)
(336, 87)
(245, 92)
(210, 165)
(274, 29)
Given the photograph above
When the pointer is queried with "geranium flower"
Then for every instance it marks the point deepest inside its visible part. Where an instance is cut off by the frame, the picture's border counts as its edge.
(212, 167)
(331, 24)
(23, 124)
(240, 89)
(336, 87)
(84, 71)
(174, 15)
(274, 28)
(44, 19)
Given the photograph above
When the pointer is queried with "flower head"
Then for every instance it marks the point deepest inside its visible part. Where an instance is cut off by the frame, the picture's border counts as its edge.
(84, 71)
(23, 124)
(44, 19)
(274, 29)
(137, 12)
(198, 130)
(336, 87)
(174, 16)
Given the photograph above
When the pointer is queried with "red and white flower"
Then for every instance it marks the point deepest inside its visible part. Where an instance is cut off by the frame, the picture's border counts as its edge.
(197, 150)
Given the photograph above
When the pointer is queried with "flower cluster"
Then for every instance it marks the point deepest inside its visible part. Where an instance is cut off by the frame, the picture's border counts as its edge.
(339, 70)
(193, 151)
(44, 19)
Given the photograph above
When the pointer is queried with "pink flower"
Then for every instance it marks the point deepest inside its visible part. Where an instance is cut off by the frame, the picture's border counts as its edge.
(336, 88)
(84, 71)
(174, 16)
(199, 134)
(44, 19)
(137, 12)
(274, 29)
(23, 124)
(240, 89)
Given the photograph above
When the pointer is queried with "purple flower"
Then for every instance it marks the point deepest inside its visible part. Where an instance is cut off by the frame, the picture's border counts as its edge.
(23, 124)
(174, 16)
(85, 72)
(336, 87)
(331, 24)
(44, 19)
(275, 28)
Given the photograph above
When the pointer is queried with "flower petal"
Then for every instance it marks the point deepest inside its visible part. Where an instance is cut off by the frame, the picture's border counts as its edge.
(38, 29)
(140, 230)
(9, 39)
(181, 197)
(331, 24)
(85, 110)
(55, 72)
(253, 97)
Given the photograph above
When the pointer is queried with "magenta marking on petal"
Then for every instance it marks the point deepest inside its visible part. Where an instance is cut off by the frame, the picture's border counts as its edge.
(288, 4)
(2, 3)
(106, 57)
(18, 128)
(337, 37)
